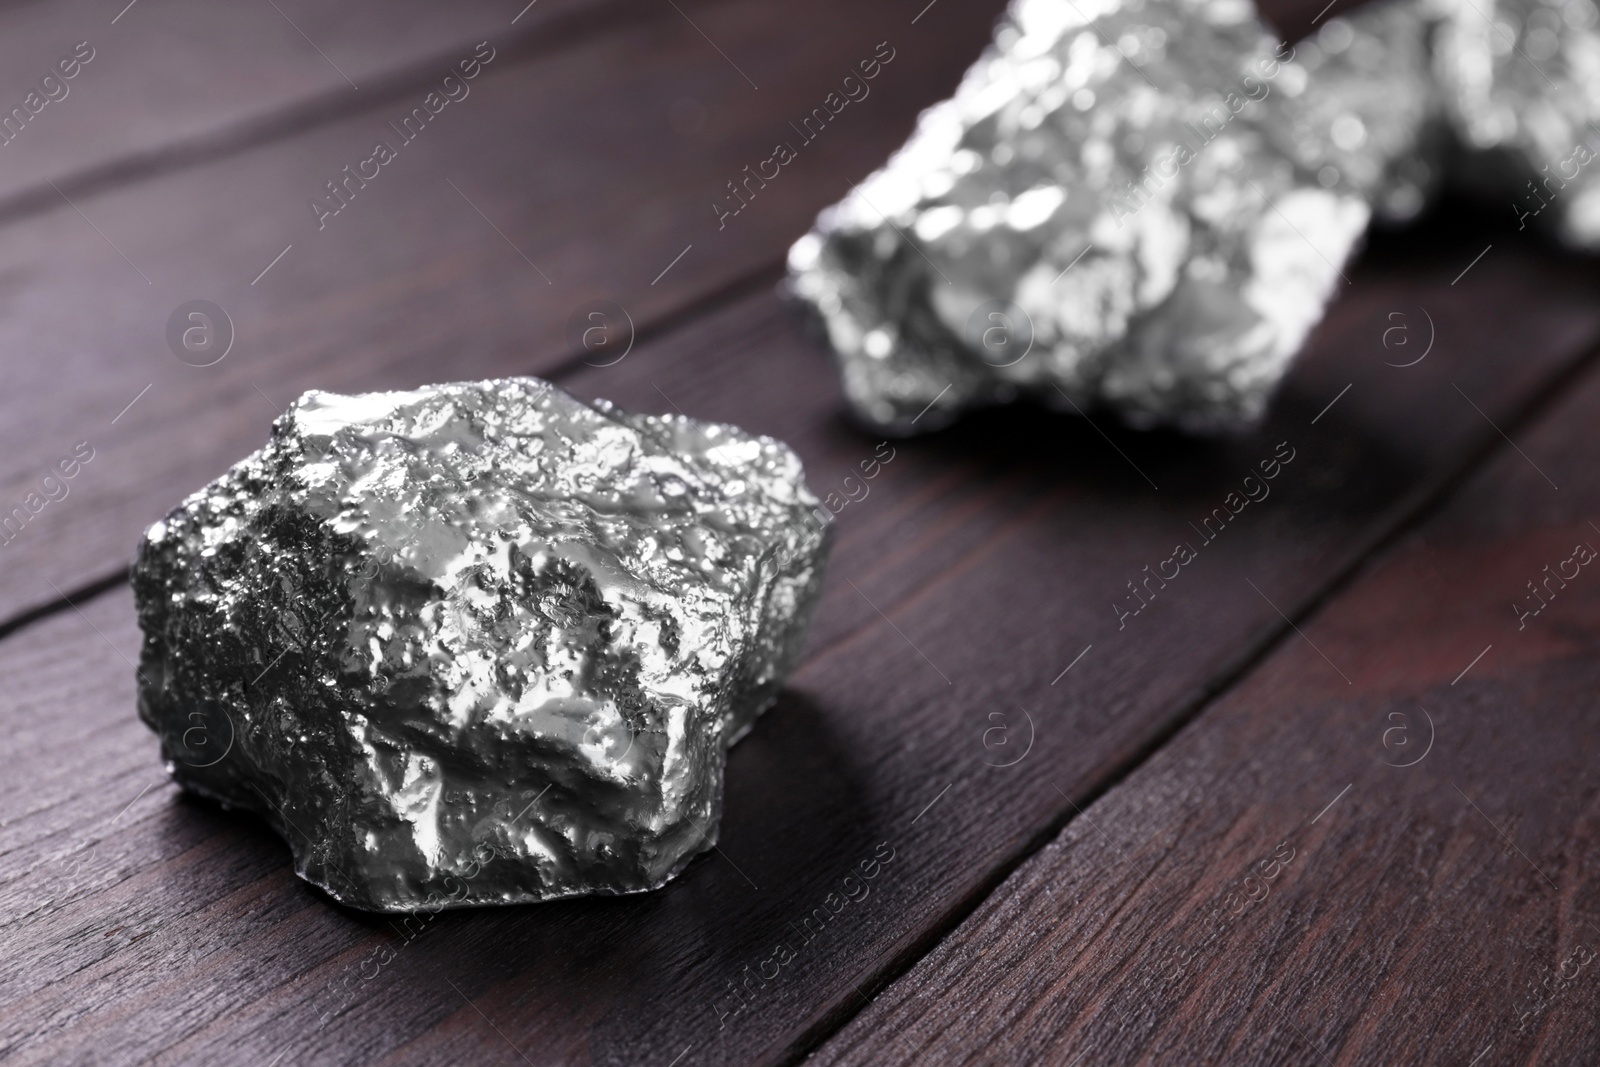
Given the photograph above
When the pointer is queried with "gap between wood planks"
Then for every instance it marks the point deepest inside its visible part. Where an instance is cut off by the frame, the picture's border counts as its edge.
(518, 46)
(679, 317)
(573, 28)
(1428, 503)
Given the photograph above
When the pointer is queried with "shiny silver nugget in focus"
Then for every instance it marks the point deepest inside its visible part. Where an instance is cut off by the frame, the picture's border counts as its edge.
(1128, 204)
(478, 643)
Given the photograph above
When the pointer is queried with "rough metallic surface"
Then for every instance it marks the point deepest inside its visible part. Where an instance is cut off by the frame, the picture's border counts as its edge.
(478, 643)
(1145, 206)
(1137, 205)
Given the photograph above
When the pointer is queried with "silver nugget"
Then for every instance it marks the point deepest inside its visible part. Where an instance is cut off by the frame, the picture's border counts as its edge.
(1145, 206)
(1134, 205)
(479, 643)
(1520, 83)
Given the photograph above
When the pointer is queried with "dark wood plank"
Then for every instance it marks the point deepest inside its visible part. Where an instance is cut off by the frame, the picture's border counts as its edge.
(429, 273)
(170, 76)
(995, 549)
(1440, 902)
(253, 70)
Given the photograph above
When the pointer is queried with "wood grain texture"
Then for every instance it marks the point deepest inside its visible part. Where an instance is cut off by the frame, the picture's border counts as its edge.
(993, 553)
(137, 924)
(171, 80)
(234, 75)
(580, 176)
(1439, 814)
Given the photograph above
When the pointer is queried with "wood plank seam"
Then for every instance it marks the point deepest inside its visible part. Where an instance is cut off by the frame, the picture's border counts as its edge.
(1176, 699)
(611, 257)
(1444, 479)
(81, 595)
(1308, 410)
(1424, 507)
(659, 326)
(914, 949)
(522, 45)
(1505, 490)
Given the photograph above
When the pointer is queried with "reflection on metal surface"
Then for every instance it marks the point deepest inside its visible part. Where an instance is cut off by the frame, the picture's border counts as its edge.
(478, 643)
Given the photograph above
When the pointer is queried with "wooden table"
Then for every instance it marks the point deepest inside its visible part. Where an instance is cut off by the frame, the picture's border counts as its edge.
(1325, 799)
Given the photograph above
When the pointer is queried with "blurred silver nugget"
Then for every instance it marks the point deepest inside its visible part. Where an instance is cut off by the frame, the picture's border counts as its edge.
(1128, 204)
(478, 643)
(1520, 82)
